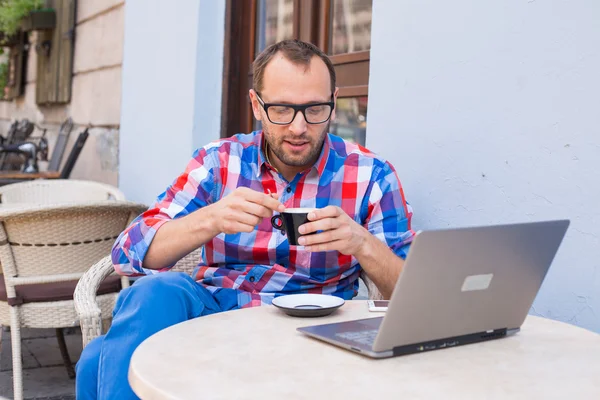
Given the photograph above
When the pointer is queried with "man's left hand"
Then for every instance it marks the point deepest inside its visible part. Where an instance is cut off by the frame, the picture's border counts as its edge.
(339, 232)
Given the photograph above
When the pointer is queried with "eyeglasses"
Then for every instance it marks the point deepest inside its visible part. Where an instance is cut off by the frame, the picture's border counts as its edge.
(284, 114)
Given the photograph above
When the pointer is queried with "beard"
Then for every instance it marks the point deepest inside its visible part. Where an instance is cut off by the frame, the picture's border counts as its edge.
(305, 159)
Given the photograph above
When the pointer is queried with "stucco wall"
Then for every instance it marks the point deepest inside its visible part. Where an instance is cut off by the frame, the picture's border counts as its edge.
(172, 102)
(96, 91)
(489, 111)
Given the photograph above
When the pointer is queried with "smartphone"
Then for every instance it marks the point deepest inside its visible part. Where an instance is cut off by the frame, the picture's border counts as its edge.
(378, 305)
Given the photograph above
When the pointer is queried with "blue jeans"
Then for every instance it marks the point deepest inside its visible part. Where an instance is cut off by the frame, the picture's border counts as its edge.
(153, 303)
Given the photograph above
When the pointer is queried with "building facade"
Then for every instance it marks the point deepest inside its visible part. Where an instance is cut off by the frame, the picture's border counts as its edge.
(95, 90)
(487, 110)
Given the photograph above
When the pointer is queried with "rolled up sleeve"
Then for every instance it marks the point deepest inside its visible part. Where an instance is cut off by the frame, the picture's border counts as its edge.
(389, 214)
(191, 191)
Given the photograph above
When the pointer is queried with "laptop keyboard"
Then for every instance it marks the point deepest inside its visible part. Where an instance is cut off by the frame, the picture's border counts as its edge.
(362, 337)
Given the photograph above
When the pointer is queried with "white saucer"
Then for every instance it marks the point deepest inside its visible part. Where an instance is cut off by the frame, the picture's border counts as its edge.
(308, 305)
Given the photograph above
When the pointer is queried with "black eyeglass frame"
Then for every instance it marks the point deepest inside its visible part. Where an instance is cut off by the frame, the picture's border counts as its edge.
(297, 108)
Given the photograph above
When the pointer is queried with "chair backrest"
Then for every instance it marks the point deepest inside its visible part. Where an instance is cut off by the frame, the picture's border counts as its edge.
(63, 239)
(53, 191)
(189, 262)
(18, 132)
(23, 130)
(7, 140)
(61, 143)
(75, 151)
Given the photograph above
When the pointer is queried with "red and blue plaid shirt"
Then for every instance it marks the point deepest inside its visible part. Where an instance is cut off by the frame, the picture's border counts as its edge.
(261, 264)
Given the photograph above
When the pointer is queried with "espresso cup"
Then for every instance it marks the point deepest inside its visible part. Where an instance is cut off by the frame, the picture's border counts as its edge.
(289, 221)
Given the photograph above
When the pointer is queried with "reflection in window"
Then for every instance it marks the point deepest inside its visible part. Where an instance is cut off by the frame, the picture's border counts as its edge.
(274, 22)
(351, 119)
(351, 26)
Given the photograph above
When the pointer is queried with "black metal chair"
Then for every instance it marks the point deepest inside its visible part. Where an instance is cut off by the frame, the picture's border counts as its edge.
(67, 168)
(65, 173)
(61, 144)
(18, 132)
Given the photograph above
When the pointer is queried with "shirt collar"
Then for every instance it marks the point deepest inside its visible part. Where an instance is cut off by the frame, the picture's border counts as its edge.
(262, 159)
(324, 156)
(319, 165)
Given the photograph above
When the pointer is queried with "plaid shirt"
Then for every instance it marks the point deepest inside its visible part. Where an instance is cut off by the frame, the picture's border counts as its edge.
(261, 264)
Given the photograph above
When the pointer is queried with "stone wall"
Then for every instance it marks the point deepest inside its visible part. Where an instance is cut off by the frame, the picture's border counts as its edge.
(96, 91)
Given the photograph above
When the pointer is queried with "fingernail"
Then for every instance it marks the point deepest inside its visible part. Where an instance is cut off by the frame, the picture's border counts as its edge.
(312, 216)
(301, 241)
(301, 229)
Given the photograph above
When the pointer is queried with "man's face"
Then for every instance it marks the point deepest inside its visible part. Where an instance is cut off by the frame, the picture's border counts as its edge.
(296, 146)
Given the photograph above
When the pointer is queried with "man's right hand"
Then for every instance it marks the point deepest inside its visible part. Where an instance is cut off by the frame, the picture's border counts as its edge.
(242, 210)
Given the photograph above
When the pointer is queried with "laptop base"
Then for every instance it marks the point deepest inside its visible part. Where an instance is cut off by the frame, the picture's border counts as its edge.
(438, 344)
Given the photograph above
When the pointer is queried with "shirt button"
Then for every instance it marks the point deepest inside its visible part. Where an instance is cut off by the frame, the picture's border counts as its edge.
(289, 190)
(252, 279)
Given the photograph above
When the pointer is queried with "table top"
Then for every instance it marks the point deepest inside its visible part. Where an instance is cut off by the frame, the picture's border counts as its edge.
(29, 175)
(257, 353)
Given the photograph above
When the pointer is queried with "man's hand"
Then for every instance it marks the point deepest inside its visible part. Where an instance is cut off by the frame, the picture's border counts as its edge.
(242, 210)
(339, 232)
(342, 233)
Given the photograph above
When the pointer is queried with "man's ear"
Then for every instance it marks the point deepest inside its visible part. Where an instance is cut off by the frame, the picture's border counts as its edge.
(335, 95)
(255, 105)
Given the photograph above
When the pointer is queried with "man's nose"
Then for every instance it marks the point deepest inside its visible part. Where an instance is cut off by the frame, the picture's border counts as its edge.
(298, 125)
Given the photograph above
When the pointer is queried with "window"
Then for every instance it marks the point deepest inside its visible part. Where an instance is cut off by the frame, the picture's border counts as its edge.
(342, 28)
(274, 22)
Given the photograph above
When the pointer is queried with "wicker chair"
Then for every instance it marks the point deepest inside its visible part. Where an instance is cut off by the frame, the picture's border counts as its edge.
(55, 191)
(44, 250)
(91, 313)
(48, 192)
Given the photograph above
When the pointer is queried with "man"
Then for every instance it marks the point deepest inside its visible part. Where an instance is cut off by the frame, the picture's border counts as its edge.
(224, 201)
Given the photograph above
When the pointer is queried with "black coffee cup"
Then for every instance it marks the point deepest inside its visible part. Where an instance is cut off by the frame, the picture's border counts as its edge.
(290, 220)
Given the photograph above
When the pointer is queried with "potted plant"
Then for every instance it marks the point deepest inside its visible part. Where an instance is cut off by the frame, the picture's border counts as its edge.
(42, 19)
(25, 15)
(3, 80)
(8, 40)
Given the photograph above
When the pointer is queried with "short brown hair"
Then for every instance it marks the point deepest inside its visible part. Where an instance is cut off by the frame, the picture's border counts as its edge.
(297, 51)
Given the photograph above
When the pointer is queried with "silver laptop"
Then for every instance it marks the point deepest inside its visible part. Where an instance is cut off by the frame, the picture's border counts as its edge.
(458, 286)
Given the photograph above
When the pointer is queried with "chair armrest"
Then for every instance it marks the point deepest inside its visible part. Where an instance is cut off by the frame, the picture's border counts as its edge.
(37, 279)
(374, 293)
(86, 305)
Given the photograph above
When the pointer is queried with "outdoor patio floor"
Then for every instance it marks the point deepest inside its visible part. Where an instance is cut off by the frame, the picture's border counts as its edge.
(44, 374)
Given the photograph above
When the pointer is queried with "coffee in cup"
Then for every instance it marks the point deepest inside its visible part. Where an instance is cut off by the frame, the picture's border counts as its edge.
(290, 220)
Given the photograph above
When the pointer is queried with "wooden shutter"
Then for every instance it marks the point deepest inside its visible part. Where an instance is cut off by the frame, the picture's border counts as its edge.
(55, 55)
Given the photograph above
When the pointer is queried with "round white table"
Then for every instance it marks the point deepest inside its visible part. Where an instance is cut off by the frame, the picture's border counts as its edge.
(258, 354)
